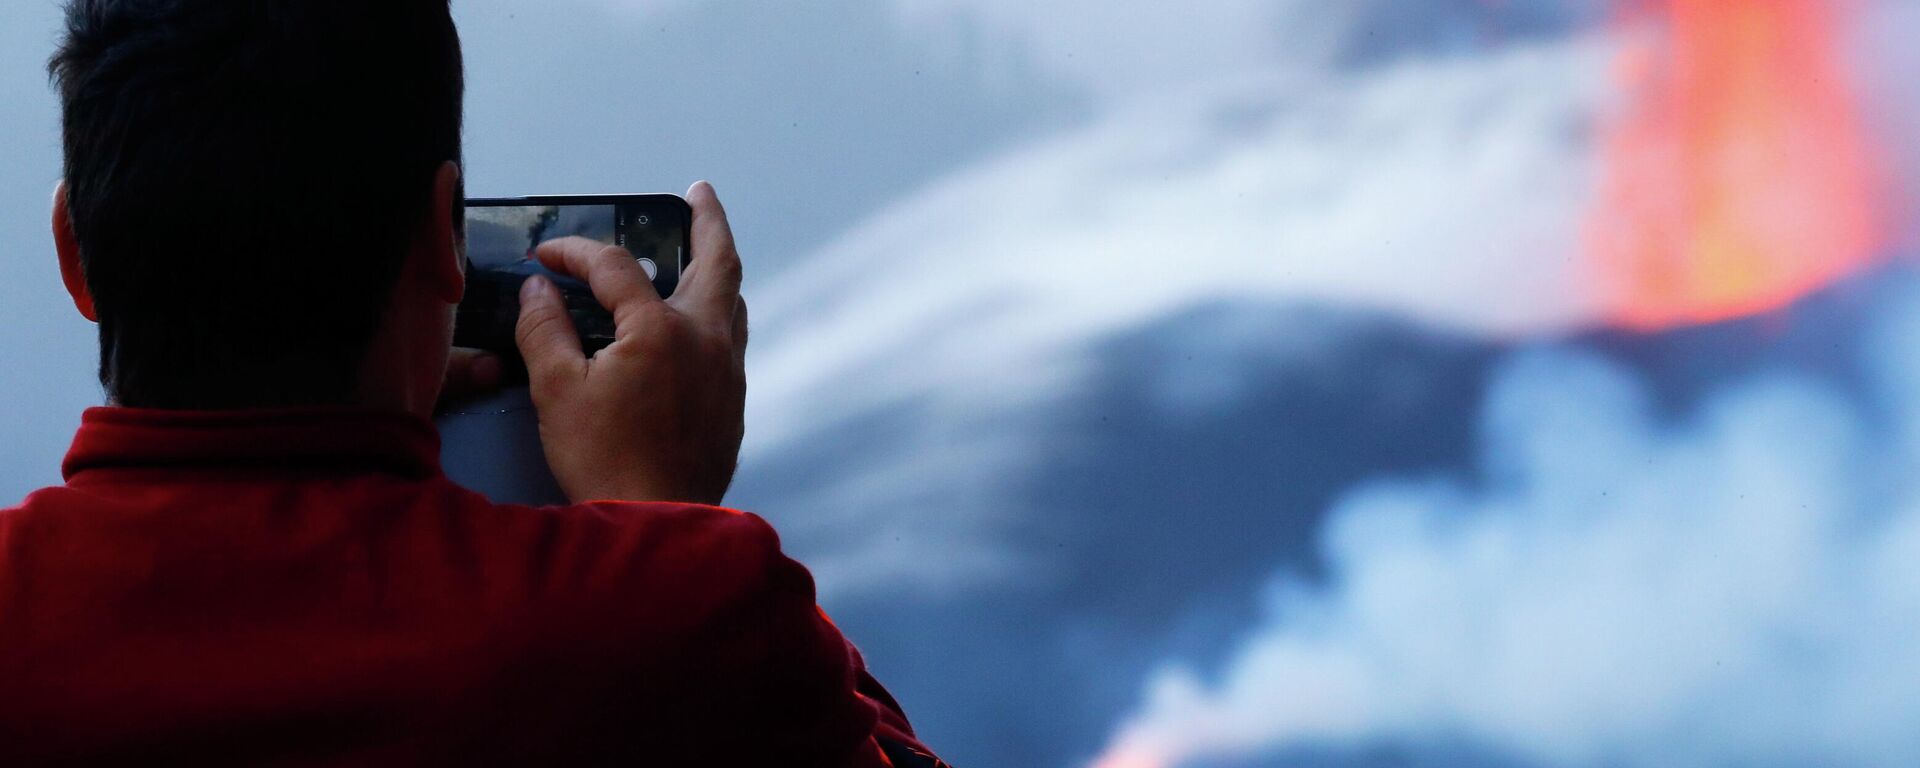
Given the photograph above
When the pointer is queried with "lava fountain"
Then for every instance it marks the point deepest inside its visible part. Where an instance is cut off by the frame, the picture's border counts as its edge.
(1737, 171)
(1737, 177)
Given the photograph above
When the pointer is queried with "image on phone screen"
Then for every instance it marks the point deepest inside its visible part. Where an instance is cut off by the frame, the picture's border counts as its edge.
(502, 235)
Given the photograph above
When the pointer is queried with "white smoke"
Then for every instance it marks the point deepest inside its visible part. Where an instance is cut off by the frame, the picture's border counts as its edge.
(1738, 588)
(1447, 191)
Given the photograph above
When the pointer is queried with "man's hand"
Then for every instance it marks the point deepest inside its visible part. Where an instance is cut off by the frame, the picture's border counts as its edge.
(659, 414)
(471, 373)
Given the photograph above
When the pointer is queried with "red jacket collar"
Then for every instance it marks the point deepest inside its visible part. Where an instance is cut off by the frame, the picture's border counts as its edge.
(333, 438)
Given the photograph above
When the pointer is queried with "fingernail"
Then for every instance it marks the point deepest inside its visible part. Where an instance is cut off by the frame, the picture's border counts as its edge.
(535, 287)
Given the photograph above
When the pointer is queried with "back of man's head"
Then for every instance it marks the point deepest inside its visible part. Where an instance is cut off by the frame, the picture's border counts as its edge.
(245, 180)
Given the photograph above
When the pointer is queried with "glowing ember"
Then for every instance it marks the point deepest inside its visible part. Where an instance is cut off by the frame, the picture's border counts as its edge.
(1738, 176)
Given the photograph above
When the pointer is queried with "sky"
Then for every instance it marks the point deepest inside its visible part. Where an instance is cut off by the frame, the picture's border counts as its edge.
(1219, 383)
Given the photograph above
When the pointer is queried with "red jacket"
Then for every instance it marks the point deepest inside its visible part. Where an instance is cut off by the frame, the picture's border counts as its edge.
(307, 587)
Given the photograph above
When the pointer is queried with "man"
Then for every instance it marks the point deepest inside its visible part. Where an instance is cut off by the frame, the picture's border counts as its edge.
(256, 558)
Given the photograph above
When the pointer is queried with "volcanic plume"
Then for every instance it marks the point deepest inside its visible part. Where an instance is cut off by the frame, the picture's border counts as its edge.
(1738, 175)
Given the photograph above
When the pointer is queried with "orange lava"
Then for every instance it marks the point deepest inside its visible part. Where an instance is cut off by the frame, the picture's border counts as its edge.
(1737, 175)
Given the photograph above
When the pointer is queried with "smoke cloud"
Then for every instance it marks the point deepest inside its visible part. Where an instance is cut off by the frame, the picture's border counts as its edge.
(1737, 587)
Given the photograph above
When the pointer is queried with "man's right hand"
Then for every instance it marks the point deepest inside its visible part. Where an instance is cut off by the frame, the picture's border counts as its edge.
(659, 414)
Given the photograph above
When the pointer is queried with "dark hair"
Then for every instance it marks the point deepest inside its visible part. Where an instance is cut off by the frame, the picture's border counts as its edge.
(245, 178)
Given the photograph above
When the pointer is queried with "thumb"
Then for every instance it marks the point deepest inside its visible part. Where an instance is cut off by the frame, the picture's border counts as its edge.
(547, 339)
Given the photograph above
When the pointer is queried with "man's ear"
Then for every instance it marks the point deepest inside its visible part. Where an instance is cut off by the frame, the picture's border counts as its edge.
(67, 244)
(444, 265)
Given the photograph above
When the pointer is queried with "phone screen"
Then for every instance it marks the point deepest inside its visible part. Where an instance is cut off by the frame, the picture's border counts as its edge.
(502, 235)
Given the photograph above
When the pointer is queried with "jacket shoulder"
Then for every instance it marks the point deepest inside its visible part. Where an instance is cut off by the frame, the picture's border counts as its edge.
(660, 565)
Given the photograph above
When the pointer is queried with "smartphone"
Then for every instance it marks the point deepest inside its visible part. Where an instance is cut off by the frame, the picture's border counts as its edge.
(502, 234)
(493, 445)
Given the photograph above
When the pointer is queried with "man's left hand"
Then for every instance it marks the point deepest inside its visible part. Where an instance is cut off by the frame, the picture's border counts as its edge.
(471, 373)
